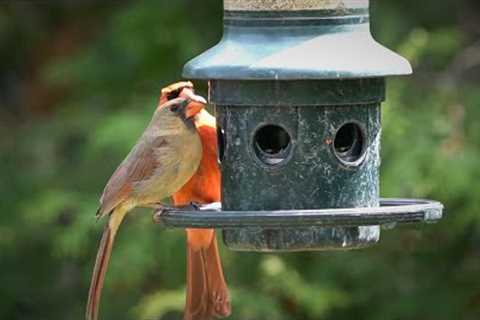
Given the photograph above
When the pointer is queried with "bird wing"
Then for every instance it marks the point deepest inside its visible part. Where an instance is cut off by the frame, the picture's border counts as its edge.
(140, 166)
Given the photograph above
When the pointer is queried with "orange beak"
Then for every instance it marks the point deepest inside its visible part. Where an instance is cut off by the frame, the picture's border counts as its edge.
(196, 104)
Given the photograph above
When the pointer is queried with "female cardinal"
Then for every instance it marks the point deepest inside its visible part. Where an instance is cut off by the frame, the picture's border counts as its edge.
(163, 160)
(207, 292)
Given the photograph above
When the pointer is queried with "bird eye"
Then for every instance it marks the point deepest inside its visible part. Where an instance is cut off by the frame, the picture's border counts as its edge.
(174, 107)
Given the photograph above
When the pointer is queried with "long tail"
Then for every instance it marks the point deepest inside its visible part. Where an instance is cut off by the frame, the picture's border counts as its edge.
(207, 292)
(101, 262)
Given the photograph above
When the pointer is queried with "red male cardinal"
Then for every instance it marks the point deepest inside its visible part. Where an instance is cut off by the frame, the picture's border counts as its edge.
(163, 160)
(207, 292)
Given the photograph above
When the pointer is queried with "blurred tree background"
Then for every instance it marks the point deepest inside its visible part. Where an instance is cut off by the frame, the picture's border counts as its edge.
(80, 79)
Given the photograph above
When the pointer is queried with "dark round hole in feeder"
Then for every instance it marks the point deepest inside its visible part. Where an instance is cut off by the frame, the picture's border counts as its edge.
(272, 144)
(220, 143)
(348, 143)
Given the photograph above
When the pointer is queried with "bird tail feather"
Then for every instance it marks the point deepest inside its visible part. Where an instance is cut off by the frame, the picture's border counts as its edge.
(101, 263)
(207, 292)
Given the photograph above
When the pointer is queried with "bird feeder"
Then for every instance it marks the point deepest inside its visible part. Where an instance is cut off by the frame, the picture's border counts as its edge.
(297, 87)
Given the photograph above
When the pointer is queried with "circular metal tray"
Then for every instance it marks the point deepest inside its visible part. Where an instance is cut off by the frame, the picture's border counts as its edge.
(390, 212)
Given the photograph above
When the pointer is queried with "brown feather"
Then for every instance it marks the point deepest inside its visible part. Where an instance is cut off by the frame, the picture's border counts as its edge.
(168, 150)
(139, 165)
(196, 306)
(207, 292)
(101, 262)
(165, 157)
(219, 306)
(104, 251)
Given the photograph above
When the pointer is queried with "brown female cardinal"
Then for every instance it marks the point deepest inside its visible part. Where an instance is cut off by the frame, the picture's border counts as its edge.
(165, 157)
(207, 292)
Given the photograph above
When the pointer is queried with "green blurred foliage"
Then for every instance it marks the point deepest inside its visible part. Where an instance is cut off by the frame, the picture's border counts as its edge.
(78, 84)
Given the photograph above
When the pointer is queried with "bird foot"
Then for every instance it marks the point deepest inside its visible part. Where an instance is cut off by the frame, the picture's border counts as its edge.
(161, 208)
(194, 205)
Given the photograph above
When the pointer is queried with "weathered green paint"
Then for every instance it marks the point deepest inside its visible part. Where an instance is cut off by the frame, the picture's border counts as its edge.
(297, 92)
(392, 211)
(310, 177)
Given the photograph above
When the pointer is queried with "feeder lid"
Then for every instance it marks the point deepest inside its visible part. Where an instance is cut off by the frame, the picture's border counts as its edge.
(297, 44)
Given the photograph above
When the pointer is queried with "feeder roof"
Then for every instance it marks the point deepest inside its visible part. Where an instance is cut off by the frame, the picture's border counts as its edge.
(296, 53)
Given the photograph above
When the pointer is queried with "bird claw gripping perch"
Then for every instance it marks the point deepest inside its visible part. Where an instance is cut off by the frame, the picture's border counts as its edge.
(165, 210)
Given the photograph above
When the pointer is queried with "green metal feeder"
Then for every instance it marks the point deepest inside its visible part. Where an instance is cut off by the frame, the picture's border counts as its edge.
(297, 87)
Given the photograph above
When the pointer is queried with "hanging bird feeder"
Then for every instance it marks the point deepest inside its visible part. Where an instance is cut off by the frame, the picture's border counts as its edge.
(297, 87)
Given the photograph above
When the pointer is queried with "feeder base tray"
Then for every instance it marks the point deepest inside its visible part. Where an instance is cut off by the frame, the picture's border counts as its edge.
(301, 230)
